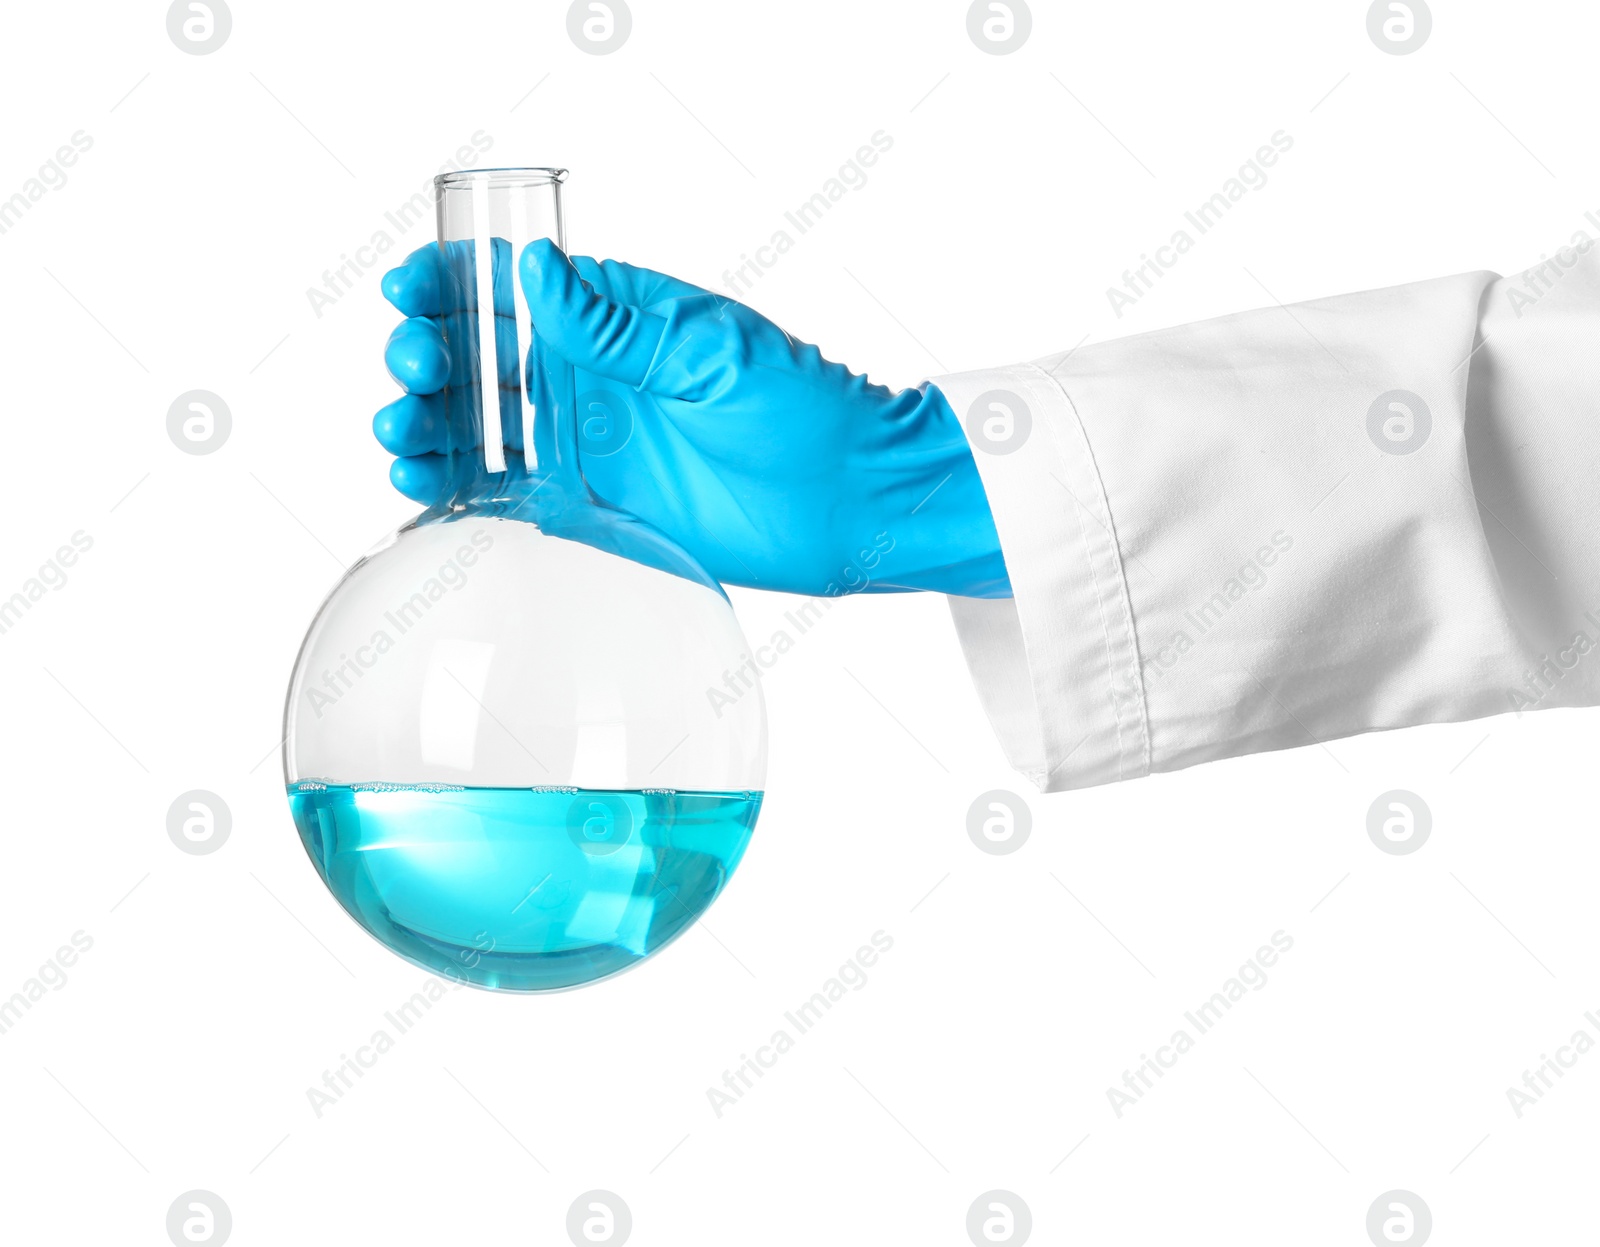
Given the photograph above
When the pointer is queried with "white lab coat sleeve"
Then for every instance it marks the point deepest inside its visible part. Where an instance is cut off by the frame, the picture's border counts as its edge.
(1292, 525)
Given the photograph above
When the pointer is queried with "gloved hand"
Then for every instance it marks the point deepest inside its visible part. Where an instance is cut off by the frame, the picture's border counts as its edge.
(773, 467)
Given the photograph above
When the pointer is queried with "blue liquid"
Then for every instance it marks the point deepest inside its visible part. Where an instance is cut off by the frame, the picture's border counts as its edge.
(522, 889)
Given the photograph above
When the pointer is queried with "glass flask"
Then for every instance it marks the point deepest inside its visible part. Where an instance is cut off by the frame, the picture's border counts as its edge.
(501, 744)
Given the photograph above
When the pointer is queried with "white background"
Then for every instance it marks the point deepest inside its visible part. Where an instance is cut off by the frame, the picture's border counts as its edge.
(1019, 988)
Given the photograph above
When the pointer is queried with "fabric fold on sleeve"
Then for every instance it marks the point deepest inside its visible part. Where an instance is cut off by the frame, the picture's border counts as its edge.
(1056, 665)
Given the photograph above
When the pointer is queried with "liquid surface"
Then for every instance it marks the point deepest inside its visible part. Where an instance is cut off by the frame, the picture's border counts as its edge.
(522, 889)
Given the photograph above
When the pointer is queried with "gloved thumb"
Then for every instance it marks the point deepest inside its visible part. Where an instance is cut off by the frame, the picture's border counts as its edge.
(589, 331)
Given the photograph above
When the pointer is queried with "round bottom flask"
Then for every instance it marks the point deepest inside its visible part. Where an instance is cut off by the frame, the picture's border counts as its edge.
(509, 747)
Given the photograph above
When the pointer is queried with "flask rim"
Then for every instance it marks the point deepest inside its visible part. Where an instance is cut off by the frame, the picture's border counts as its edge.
(501, 177)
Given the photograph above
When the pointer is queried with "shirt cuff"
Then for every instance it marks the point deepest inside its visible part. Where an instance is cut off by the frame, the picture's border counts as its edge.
(1065, 638)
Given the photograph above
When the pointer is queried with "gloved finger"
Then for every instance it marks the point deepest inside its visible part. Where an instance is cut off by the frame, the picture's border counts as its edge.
(413, 287)
(458, 276)
(429, 417)
(460, 333)
(453, 422)
(420, 477)
(433, 280)
(627, 283)
(412, 425)
(581, 325)
(416, 356)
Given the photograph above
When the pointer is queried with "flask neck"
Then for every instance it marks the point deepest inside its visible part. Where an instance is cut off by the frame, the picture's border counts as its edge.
(536, 471)
(509, 403)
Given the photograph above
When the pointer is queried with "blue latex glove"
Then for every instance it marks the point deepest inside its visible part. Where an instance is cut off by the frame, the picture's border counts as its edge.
(773, 467)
